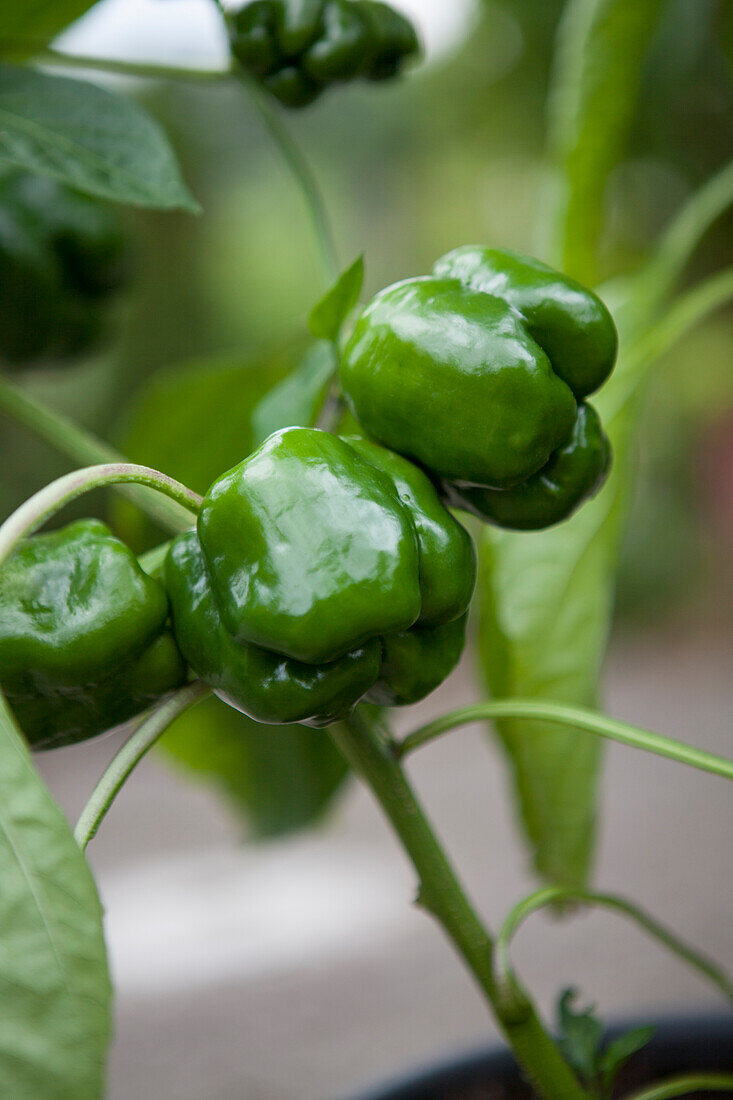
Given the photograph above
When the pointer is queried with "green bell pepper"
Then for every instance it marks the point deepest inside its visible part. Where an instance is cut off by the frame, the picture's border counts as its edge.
(297, 48)
(478, 373)
(313, 563)
(84, 643)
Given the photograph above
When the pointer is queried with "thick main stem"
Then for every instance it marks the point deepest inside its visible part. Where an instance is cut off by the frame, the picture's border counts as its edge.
(441, 894)
(82, 447)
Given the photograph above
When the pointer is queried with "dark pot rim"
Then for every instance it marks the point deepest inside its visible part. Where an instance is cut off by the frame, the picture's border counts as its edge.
(693, 1038)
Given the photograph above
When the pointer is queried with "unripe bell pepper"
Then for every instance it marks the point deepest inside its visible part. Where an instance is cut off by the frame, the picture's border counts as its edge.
(297, 48)
(479, 373)
(311, 560)
(84, 641)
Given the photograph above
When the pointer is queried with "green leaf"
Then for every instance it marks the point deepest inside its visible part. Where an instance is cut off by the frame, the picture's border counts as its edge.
(547, 597)
(55, 1025)
(93, 140)
(600, 53)
(280, 778)
(581, 1035)
(299, 397)
(39, 20)
(617, 1053)
(195, 421)
(329, 314)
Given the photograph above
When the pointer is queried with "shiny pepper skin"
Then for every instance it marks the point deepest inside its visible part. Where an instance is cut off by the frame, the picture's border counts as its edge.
(479, 372)
(322, 571)
(62, 256)
(84, 642)
(297, 48)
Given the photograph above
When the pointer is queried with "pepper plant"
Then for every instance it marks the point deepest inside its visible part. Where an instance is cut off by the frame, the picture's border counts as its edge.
(323, 579)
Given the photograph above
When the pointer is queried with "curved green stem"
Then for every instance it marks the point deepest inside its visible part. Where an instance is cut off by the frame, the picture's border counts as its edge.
(553, 894)
(149, 70)
(81, 446)
(579, 718)
(301, 170)
(129, 756)
(683, 1086)
(371, 755)
(45, 503)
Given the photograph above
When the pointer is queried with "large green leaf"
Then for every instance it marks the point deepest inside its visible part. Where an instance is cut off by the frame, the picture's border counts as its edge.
(547, 597)
(600, 54)
(39, 21)
(94, 140)
(281, 778)
(55, 1022)
(547, 600)
(194, 423)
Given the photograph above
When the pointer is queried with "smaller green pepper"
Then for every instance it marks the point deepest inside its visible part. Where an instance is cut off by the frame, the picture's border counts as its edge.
(340, 51)
(297, 48)
(479, 372)
(84, 644)
(62, 256)
(393, 39)
(572, 473)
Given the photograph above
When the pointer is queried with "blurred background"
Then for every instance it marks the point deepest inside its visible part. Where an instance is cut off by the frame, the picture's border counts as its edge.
(296, 967)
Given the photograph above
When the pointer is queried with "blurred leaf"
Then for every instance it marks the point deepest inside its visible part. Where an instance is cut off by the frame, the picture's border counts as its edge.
(56, 1021)
(195, 421)
(581, 1035)
(547, 597)
(298, 398)
(281, 778)
(328, 315)
(600, 53)
(617, 1054)
(39, 20)
(546, 611)
(89, 138)
(657, 279)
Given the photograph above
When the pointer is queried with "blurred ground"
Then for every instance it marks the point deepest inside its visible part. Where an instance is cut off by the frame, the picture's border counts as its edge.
(299, 970)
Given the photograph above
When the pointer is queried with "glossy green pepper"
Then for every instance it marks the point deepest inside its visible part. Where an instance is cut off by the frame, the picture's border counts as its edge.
(62, 256)
(479, 373)
(297, 48)
(84, 643)
(309, 558)
(266, 686)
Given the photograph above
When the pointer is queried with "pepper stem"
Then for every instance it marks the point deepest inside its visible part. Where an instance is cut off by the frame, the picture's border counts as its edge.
(45, 503)
(579, 718)
(142, 740)
(372, 757)
(84, 448)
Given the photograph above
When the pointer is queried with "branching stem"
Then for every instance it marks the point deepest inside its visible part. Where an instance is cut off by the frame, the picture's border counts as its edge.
(578, 718)
(551, 895)
(683, 1086)
(82, 447)
(142, 740)
(42, 505)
